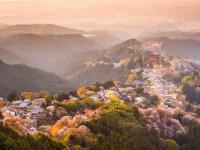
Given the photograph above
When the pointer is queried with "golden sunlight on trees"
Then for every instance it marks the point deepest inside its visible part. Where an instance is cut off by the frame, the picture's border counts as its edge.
(27, 95)
(113, 98)
(81, 92)
(44, 94)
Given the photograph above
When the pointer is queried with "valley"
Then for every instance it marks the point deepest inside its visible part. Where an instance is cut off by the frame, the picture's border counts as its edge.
(99, 75)
(73, 92)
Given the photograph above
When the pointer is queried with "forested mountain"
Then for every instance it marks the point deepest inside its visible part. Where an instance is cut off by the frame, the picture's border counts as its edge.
(153, 108)
(195, 35)
(114, 63)
(181, 47)
(22, 78)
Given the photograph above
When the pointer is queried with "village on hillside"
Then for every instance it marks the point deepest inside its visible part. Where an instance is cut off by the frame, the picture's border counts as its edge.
(149, 89)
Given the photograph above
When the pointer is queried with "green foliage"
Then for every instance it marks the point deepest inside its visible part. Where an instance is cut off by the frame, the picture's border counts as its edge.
(139, 90)
(1, 115)
(176, 77)
(84, 141)
(120, 129)
(198, 112)
(132, 77)
(64, 96)
(27, 95)
(106, 85)
(13, 96)
(152, 101)
(171, 145)
(190, 140)
(77, 147)
(186, 78)
(90, 103)
(71, 106)
(191, 87)
(75, 106)
(10, 140)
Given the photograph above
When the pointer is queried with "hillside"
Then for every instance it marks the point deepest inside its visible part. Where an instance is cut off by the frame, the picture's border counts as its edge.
(195, 35)
(9, 57)
(114, 64)
(22, 78)
(182, 47)
(162, 114)
(155, 99)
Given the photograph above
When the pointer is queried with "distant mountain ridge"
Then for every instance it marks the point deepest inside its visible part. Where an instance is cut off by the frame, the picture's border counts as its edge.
(104, 38)
(38, 29)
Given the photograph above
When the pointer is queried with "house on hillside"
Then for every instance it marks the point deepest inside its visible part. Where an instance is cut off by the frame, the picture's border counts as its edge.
(154, 60)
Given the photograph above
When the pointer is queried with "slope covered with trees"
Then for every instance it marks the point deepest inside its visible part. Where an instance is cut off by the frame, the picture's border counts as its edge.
(22, 78)
(114, 64)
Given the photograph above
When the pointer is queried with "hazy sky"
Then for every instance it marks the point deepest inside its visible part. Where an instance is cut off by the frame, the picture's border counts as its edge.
(137, 12)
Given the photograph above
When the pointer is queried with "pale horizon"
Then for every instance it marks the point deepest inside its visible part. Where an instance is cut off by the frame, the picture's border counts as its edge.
(162, 14)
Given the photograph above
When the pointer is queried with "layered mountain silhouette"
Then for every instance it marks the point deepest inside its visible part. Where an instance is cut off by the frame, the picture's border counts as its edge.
(48, 46)
(80, 56)
(45, 51)
(37, 29)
